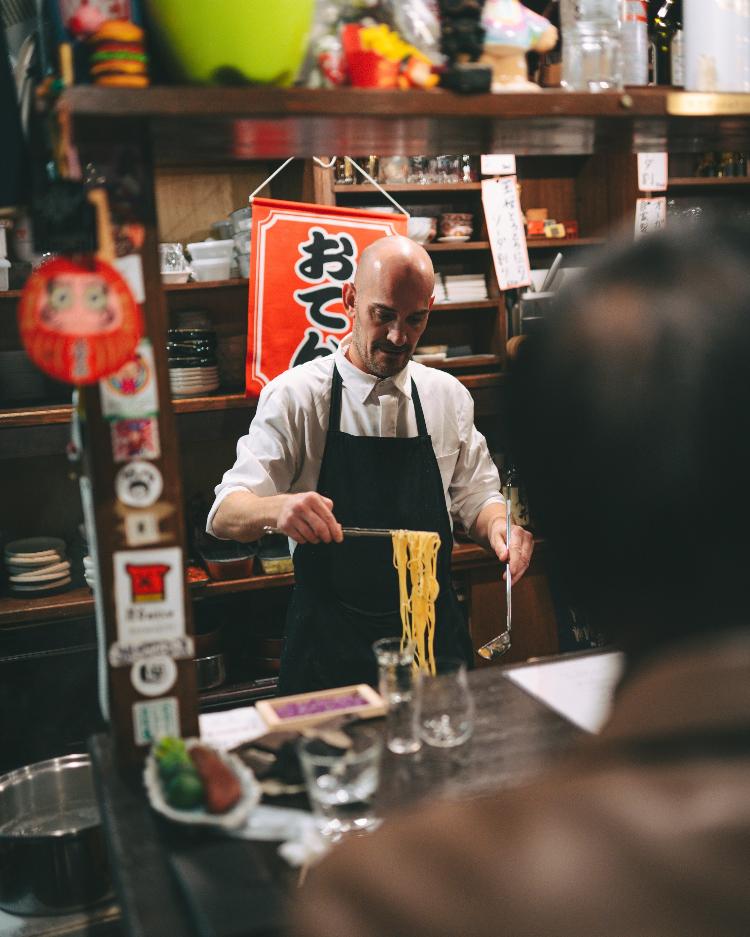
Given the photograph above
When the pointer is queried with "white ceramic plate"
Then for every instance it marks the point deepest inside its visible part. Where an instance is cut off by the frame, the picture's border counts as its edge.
(454, 237)
(231, 820)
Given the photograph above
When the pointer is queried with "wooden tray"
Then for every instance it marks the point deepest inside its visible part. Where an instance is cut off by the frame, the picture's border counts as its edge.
(307, 709)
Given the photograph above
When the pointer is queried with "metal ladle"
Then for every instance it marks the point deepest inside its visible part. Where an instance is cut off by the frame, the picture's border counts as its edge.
(499, 645)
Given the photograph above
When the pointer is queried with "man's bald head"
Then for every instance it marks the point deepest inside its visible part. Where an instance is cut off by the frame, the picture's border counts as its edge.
(395, 257)
(389, 303)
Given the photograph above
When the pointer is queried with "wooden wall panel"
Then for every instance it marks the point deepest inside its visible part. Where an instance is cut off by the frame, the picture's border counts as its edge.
(189, 200)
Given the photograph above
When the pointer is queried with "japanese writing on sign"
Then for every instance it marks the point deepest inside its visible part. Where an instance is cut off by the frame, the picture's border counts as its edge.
(650, 215)
(502, 210)
(653, 172)
(327, 261)
(301, 257)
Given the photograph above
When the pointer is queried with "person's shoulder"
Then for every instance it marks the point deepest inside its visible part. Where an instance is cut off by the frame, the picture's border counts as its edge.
(302, 382)
(437, 383)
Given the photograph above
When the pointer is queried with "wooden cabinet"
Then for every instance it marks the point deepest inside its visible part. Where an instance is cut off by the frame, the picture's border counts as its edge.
(575, 157)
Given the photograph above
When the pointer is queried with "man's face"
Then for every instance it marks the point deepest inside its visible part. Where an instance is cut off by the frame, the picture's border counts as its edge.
(389, 319)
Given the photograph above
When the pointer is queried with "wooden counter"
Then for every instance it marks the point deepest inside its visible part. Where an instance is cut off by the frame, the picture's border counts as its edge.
(515, 738)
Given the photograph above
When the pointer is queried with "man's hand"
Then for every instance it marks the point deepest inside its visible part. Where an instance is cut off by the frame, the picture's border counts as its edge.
(521, 546)
(308, 518)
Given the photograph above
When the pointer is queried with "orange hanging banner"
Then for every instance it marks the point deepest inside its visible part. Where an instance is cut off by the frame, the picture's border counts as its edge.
(301, 255)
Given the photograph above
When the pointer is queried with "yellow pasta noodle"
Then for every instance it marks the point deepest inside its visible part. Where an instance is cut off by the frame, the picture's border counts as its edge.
(415, 558)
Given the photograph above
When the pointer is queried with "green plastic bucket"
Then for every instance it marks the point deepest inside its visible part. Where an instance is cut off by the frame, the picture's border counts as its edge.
(231, 41)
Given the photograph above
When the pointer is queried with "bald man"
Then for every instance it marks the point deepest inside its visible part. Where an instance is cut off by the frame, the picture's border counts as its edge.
(365, 438)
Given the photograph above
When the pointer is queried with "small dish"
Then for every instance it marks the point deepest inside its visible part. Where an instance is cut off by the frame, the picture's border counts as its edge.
(175, 276)
(231, 820)
(454, 237)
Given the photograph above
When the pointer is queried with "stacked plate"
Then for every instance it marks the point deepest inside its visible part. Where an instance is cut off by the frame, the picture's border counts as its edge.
(37, 566)
(192, 361)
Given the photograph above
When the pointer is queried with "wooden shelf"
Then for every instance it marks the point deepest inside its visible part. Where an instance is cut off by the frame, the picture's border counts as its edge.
(198, 285)
(55, 414)
(465, 361)
(203, 124)
(410, 187)
(468, 304)
(10, 294)
(541, 244)
(456, 246)
(706, 182)
(79, 602)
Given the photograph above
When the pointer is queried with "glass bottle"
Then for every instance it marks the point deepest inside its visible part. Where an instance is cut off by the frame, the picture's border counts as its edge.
(514, 490)
(664, 25)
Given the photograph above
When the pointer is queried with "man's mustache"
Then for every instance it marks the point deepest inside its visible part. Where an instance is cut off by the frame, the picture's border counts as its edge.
(393, 349)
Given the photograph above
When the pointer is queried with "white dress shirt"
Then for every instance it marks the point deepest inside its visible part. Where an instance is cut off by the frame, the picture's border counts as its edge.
(283, 449)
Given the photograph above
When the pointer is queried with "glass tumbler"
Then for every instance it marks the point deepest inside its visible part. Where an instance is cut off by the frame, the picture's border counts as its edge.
(342, 784)
(399, 682)
(447, 712)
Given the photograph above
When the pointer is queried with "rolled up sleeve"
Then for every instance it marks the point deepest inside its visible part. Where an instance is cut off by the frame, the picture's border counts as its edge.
(476, 482)
(267, 457)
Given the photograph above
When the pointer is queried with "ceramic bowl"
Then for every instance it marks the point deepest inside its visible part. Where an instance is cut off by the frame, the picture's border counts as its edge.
(421, 229)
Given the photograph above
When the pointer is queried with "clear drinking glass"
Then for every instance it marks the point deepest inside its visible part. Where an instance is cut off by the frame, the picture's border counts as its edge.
(447, 713)
(399, 686)
(171, 258)
(342, 785)
(592, 54)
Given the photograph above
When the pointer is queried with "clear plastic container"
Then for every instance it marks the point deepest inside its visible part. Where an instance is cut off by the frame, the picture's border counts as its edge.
(635, 42)
(592, 47)
(211, 250)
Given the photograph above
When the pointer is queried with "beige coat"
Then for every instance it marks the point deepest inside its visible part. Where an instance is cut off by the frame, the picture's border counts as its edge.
(641, 836)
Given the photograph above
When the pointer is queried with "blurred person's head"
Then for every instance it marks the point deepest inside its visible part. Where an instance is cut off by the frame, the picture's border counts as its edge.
(631, 426)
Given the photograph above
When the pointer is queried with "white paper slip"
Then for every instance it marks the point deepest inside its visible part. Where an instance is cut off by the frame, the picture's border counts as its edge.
(650, 215)
(653, 172)
(579, 688)
(498, 164)
(225, 730)
(502, 210)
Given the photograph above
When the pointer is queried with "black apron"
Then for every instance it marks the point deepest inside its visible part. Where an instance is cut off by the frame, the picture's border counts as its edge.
(346, 594)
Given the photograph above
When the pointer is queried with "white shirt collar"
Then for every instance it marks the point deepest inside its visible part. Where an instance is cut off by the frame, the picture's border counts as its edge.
(361, 384)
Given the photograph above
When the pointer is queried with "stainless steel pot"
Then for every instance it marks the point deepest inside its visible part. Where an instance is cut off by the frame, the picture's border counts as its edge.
(53, 858)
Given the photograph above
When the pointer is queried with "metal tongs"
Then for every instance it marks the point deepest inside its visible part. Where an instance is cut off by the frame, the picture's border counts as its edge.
(347, 531)
(499, 645)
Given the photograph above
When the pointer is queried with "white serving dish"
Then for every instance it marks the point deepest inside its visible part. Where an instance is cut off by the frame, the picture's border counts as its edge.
(231, 820)
(211, 250)
(213, 268)
(175, 276)
(421, 229)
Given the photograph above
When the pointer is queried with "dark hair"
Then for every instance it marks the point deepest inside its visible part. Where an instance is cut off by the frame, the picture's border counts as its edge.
(630, 421)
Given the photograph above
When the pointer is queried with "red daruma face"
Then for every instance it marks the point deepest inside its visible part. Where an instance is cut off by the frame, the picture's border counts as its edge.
(78, 319)
(79, 305)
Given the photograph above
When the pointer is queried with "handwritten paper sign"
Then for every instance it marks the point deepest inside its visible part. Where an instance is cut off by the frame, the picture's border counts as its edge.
(653, 172)
(650, 215)
(498, 164)
(502, 210)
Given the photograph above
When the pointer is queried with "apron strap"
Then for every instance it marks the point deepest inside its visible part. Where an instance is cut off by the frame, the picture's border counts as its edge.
(418, 413)
(334, 417)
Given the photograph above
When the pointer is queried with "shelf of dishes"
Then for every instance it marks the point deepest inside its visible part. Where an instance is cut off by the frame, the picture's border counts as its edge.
(79, 601)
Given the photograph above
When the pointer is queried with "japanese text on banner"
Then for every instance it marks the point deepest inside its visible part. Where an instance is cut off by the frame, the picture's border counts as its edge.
(650, 215)
(502, 210)
(301, 256)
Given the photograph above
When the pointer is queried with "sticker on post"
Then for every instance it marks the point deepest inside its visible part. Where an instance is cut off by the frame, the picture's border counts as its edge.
(149, 595)
(650, 215)
(131, 391)
(154, 675)
(653, 172)
(135, 439)
(498, 164)
(502, 210)
(155, 719)
(138, 484)
(141, 527)
(123, 655)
